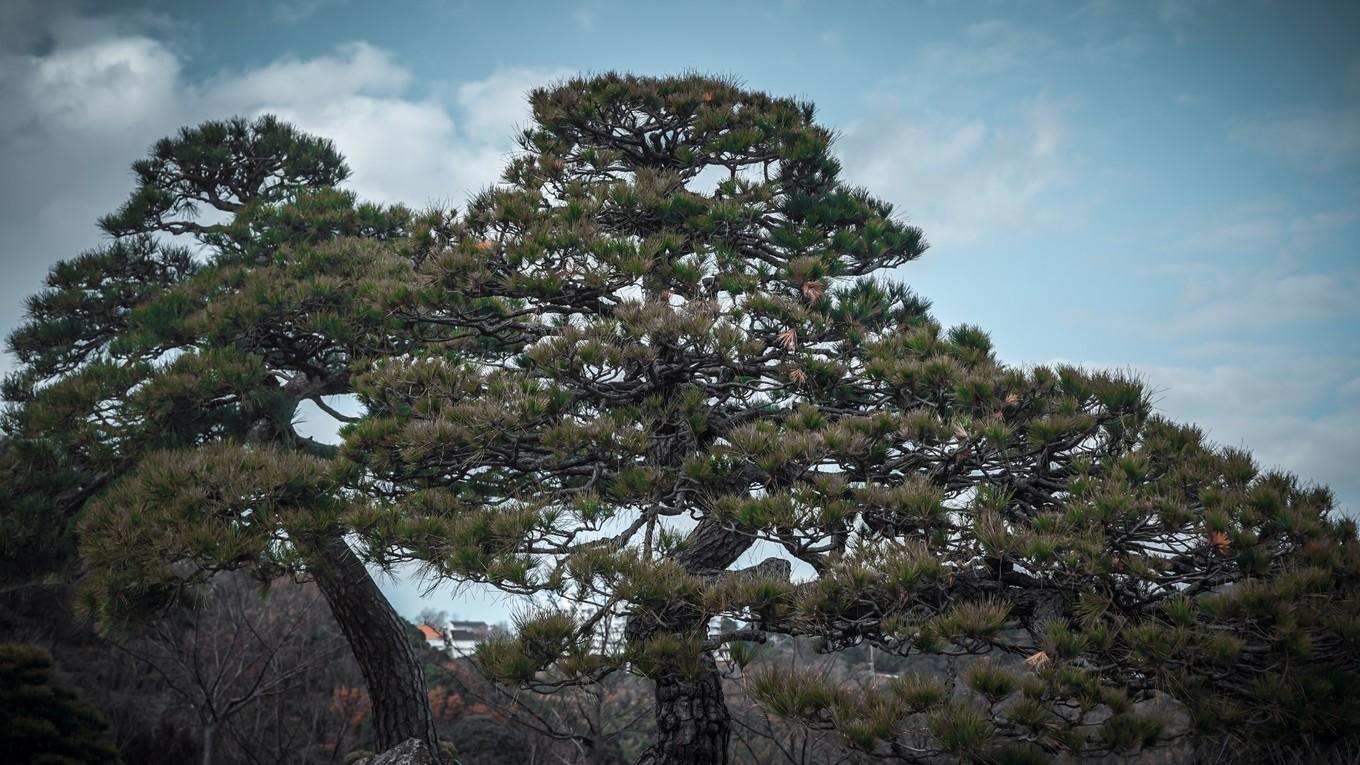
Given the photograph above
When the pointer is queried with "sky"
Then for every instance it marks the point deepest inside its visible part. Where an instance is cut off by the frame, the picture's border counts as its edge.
(1170, 188)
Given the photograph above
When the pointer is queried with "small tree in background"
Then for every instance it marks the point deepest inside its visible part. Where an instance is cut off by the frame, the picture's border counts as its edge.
(674, 342)
(41, 722)
(228, 660)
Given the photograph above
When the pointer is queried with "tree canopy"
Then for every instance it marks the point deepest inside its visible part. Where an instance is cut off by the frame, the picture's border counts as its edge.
(686, 342)
(154, 413)
(666, 372)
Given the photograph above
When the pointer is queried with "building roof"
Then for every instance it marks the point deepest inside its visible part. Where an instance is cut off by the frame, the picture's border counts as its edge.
(429, 632)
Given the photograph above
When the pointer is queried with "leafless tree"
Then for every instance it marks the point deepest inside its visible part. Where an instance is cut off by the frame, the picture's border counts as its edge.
(224, 658)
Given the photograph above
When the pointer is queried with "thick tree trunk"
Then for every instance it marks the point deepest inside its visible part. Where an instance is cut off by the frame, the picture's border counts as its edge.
(377, 636)
(692, 722)
(693, 725)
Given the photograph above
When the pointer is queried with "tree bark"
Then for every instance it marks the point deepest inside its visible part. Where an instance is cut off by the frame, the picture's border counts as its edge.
(210, 742)
(377, 636)
(693, 725)
(692, 722)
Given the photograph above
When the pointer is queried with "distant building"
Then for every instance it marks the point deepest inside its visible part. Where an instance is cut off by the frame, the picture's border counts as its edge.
(433, 636)
(461, 638)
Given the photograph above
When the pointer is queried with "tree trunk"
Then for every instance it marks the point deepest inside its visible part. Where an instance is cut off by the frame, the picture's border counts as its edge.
(377, 636)
(692, 722)
(210, 742)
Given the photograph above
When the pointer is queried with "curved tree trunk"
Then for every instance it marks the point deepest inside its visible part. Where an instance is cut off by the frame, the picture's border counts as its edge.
(377, 636)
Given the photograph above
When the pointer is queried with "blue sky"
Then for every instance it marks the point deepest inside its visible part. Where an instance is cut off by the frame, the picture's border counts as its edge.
(1167, 187)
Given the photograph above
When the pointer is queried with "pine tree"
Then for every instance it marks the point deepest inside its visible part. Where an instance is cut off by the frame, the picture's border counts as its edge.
(153, 415)
(42, 723)
(673, 340)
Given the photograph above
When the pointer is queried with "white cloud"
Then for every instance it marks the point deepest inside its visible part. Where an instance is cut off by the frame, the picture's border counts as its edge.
(1293, 412)
(293, 11)
(496, 106)
(100, 89)
(399, 150)
(1315, 141)
(985, 49)
(80, 109)
(110, 84)
(1259, 265)
(1224, 299)
(354, 69)
(963, 181)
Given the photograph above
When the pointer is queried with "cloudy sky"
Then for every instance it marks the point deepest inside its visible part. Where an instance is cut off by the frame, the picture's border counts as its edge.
(1172, 188)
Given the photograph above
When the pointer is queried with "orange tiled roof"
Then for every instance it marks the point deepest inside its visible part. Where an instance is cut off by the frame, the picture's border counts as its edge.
(429, 632)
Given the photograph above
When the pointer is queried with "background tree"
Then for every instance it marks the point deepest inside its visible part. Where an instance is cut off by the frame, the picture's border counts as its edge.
(235, 651)
(678, 343)
(433, 616)
(157, 394)
(41, 722)
(605, 723)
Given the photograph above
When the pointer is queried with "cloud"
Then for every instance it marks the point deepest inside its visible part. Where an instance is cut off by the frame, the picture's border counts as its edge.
(1293, 412)
(294, 11)
(1312, 141)
(495, 106)
(109, 83)
(354, 69)
(85, 95)
(1218, 299)
(985, 49)
(963, 181)
(1257, 266)
(585, 18)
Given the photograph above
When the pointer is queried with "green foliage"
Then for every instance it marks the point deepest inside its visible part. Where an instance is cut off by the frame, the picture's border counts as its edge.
(991, 681)
(41, 722)
(975, 619)
(960, 729)
(669, 334)
(142, 363)
(224, 165)
(793, 694)
(731, 351)
(181, 517)
(1130, 731)
(919, 692)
